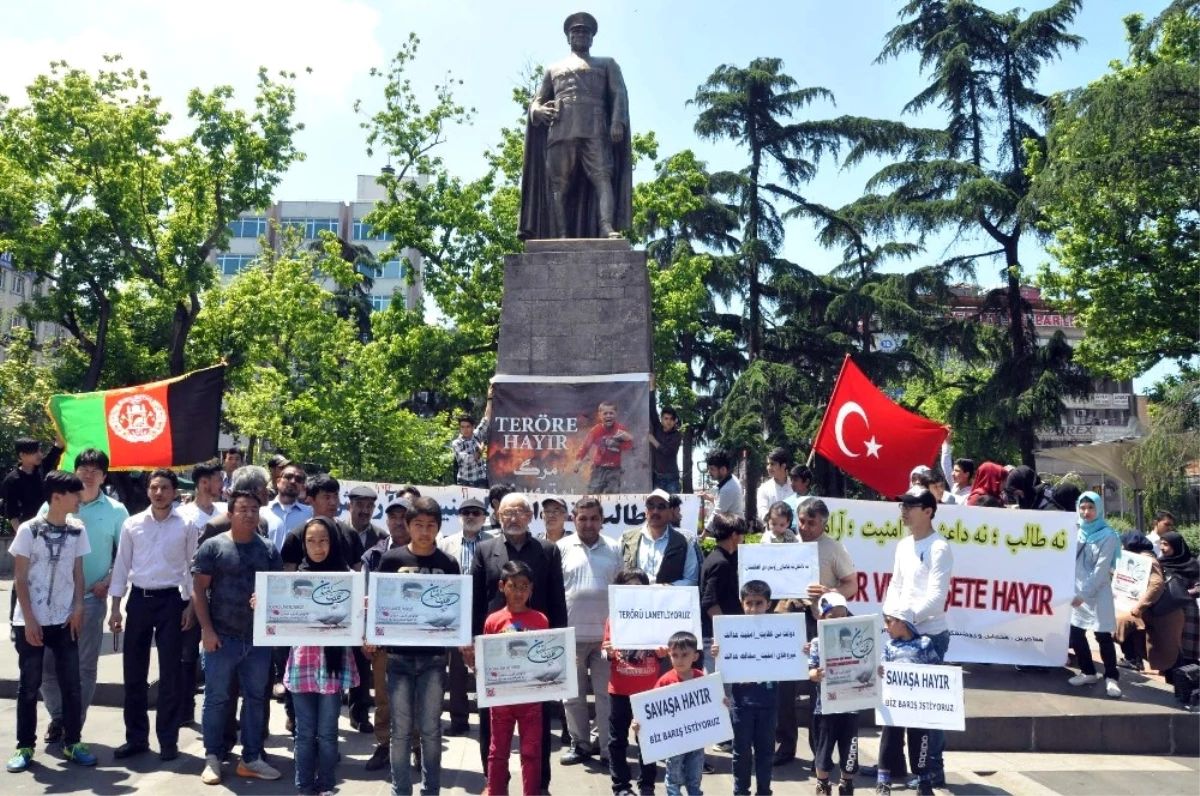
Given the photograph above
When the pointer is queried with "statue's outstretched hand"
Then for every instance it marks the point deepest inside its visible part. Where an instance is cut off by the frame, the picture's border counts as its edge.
(544, 113)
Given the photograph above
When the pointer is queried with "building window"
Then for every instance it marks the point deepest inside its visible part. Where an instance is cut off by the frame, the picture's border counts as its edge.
(363, 231)
(249, 227)
(393, 269)
(230, 264)
(309, 227)
(370, 272)
(380, 303)
(14, 321)
(3, 276)
(18, 285)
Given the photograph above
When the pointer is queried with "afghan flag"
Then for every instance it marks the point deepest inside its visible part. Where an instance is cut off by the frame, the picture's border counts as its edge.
(172, 423)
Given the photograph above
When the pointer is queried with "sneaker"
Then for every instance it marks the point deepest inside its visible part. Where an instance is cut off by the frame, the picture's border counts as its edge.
(20, 760)
(212, 771)
(846, 787)
(1085, 679)
(168, 753)
(937, 779)
(257, 769)
(574, 756)
(724, 746)
(78, 753)
(380, 758)
(54, 733)
(824, 787)
(883, 789)
(1112, 689)
(1131, 664)
(925, 789)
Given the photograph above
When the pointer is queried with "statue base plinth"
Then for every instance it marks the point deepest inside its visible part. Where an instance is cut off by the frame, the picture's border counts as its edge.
(575, 307)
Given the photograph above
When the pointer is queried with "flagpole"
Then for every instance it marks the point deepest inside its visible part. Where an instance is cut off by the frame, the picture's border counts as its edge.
(812, 452)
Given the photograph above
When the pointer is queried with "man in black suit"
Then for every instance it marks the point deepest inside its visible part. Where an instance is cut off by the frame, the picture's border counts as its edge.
(549, 595)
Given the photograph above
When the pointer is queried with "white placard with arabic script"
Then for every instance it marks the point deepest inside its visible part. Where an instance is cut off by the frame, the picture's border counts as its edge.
(754, 649)
(1131, 578)
(645, 617)
(682, 717)
(922, 695)
(407, 609)
(789, 569)
(300, 609)
(849, 654)
(530, 666)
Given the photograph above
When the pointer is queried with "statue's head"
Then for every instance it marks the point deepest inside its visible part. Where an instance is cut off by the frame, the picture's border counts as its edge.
(580, 29)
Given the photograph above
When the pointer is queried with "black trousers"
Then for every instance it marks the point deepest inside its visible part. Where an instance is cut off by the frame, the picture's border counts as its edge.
(1083, 653)
(891, 748)
(360, 695)
(153, 618)
(57, 639)
(485, 742)
(457, 684)
(189, 672)
(620, 716)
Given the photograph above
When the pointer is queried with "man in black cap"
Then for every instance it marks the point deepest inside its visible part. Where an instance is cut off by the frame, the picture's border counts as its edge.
(579, 117)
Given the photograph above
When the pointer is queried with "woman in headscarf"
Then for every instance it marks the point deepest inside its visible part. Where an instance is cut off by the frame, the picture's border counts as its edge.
(989, 479)
(316, 676)
(1093, 608)
(1025, 488)
(1143, 636)
(1178, 561)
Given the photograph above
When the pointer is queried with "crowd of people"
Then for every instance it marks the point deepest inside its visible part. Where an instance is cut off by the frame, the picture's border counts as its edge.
(180, 577)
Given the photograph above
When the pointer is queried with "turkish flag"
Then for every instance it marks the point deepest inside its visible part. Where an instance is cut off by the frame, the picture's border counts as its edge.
(870, 437)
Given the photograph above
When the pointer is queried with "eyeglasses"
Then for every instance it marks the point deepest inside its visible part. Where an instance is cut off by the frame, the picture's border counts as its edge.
(512, 514)
(295, 477)
(656, 506)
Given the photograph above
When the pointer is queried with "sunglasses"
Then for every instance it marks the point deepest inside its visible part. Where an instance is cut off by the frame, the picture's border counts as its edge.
(294, 477)
(656, 506)
(470, 513)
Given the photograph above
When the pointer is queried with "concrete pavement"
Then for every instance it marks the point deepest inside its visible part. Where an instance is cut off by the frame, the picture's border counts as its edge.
(968, 773)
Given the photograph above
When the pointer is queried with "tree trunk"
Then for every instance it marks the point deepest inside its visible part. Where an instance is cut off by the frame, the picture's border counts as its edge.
(181, 328)
(91, 379)
(687, 351)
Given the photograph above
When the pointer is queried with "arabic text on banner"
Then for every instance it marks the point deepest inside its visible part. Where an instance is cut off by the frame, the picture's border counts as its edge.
(920, 695)
(645, 617)
(1012, 584)
(408, 609)
(850, 657)
(763, 647)
(297, 609)
(621, 512)
(570, 436)
(1131, 578)
(530, 666)
(682, 717)
(788, 569)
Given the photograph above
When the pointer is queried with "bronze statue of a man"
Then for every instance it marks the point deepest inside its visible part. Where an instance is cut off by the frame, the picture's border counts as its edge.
(578, 176)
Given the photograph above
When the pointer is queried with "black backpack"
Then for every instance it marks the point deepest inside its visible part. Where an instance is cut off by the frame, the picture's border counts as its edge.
(1186, 680)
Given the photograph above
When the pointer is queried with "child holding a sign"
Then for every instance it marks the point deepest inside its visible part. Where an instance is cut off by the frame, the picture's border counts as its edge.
(905, 645)
(754, 707)
(838, 730)
(630, 672)
(683, 770)
(516, 584)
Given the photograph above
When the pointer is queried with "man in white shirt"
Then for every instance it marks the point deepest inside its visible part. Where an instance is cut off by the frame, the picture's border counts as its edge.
(154, 562)
(920, 583)
(959, 472)
(777, 488)
(729, 490)
(286, 512)
(590, 563)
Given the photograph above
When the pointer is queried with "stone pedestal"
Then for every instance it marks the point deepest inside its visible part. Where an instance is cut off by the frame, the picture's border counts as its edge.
(575, 307)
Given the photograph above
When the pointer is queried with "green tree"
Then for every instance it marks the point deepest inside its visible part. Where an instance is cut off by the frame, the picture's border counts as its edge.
(969, 178)
(26, 386)
(108, 198)
(1119, 187)
(1163, 456)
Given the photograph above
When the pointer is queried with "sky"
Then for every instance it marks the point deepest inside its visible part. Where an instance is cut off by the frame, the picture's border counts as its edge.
(665, 49)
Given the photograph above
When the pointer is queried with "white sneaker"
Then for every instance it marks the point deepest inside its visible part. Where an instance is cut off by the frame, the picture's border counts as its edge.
(1112, 689)
(212, 771)
(259, 769)
(1086, 679)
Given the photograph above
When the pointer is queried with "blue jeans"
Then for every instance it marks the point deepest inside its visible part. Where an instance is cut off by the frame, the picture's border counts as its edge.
(316, 739)
(670, 483)
(753, 734)
(416, 684)
(937, 738)
(685, 769)
(251, 666)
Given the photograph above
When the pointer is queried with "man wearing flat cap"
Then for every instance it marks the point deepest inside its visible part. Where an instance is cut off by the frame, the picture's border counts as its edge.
(578, 177)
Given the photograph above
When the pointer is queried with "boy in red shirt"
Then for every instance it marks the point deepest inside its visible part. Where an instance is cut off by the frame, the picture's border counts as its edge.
(516, 584)
(610, 439)
(683, 769)
(631, 672)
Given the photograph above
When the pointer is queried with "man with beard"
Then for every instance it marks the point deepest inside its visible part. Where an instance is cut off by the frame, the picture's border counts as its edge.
(549, 597)
(153, 562)
(461, 547)
(286, 512)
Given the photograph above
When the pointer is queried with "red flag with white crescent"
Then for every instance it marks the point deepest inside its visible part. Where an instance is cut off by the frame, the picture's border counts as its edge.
(872, 438)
